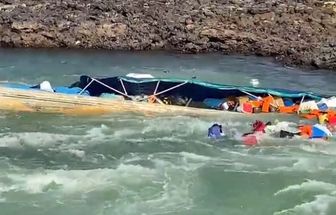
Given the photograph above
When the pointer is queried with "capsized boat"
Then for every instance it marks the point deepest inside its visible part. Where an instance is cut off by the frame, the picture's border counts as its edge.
(146, 94)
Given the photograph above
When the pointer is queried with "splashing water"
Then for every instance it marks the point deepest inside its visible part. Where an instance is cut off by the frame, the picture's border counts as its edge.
(131, 164)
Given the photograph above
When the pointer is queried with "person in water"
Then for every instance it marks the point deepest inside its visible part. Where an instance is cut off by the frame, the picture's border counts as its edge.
(309, 131)
(305, 131)
(258, 127)
(215, 131)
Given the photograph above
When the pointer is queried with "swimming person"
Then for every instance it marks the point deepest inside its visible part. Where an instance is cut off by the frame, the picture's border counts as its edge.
(215, 131)
(304, 131)
(258, 127)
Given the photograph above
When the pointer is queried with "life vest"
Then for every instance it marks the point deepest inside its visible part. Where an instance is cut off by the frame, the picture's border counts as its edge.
(265, 104)
(256, 103)
(332, 119)
(314, 131)
(306, 131)
(289, 109)
(267, 101)
(313, 114)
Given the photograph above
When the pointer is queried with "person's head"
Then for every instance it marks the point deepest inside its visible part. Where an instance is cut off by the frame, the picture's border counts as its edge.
(215, 131)
(218, 125)
(258, 126)
(231, 103)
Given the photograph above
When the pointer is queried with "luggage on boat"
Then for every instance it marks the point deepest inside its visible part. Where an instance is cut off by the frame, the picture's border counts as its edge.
(44, 86)
(308, 106)
(213, 103)
(329, 102)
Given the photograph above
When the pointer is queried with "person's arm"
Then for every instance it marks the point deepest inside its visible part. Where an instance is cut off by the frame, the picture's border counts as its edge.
(245, 134)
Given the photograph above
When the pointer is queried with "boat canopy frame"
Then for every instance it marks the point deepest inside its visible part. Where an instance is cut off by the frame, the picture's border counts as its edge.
(155, 93)
(167, 85)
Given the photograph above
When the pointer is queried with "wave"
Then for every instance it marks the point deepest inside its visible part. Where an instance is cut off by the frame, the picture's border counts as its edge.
(164, 187)
(309, 185)
(320, 205)
(72, 181)
(305, 164)
(323, 194)
(32, 139)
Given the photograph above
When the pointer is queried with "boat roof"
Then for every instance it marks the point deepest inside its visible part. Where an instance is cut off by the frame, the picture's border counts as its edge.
(224, 87)
(193, 86)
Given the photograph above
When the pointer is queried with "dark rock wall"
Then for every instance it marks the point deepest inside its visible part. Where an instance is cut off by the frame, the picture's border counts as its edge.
(301, 32)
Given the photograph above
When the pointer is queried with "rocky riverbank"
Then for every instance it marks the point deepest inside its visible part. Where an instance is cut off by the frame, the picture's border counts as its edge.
(301, 32)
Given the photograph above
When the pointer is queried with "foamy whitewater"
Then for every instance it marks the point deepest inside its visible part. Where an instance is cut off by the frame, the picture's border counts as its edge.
(134, 164)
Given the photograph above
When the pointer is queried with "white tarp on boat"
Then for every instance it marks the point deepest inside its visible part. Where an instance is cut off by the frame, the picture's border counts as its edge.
(139, 75)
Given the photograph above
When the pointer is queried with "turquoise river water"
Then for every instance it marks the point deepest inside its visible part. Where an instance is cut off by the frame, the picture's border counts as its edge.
(133, 164)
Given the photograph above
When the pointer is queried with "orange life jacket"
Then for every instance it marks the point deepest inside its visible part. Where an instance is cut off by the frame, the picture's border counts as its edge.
(289, 109)
(332, 119)
(306, 130)
(256, 103)
(313, 114)
(267, 101)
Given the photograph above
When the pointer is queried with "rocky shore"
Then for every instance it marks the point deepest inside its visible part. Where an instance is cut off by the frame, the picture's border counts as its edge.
(301, 32)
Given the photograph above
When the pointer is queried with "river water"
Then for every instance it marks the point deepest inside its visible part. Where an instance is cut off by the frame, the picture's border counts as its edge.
(133, 164)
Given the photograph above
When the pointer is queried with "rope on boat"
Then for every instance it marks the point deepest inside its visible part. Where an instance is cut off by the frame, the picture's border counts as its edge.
(92, 80)
(298, 111)
(122, 84)
(258, 98)
(153, 98)
(169, 89)
(105, 85)
(111, 88)
(157, 86)
(276, 103)
(188, 102)
(250, 94)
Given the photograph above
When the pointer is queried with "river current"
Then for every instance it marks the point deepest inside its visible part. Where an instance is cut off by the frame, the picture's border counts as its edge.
(134, 164)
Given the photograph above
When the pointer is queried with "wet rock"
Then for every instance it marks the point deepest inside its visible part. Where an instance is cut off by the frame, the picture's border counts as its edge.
(300, 8)
(326, 56)
(25, 26)
(111, 30)
(259, 9)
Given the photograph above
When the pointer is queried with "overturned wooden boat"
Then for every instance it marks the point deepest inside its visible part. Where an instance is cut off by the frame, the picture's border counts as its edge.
(19, 100)
(122, 94)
